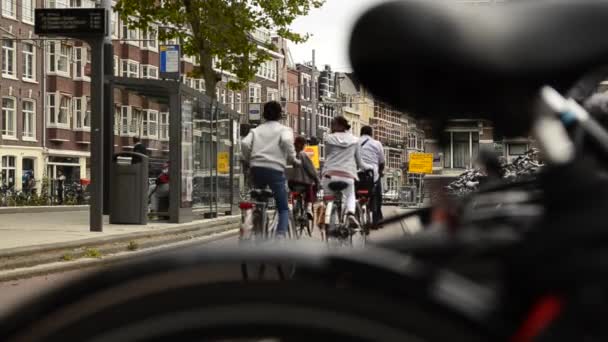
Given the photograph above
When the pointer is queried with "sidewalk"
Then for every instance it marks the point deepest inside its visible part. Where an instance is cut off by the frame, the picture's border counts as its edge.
(34, 229)
(33, 239)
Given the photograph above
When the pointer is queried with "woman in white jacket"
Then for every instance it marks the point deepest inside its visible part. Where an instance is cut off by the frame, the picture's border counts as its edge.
(342, 161)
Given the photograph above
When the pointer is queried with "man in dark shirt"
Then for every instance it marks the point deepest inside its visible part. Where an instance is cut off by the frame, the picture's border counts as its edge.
(139, 146)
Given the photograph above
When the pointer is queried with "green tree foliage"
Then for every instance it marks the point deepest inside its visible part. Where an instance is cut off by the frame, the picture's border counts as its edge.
(221, 29)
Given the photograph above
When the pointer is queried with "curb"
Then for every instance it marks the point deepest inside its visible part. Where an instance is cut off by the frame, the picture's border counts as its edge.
(46, 254)
(58, 267)
(43, 209)
(153, 232)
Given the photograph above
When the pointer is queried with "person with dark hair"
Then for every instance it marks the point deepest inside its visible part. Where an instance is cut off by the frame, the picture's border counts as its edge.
(342, 161)
(305, 174)
(272, 111)
(139, 146)
(60, 183)
(267, 150)
(372, 153)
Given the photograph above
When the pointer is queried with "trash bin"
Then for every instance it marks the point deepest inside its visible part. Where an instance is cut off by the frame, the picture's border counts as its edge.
(129, 189)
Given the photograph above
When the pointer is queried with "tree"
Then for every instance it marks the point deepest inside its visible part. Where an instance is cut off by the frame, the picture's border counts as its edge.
(219, 32)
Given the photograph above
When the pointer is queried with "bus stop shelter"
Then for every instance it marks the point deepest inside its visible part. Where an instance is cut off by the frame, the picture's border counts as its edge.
(197, 140)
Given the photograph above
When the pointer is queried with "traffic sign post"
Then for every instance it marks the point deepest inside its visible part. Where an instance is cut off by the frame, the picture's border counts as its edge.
(420, 164)
(169, 62)
(89, 25)
(255, 113)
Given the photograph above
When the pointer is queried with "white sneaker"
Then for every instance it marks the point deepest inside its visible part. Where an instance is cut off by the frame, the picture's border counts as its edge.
(309, 211)
(352, 221)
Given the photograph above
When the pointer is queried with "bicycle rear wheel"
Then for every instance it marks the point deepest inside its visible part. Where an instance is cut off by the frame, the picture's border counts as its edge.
(304, 224)
(333, 226)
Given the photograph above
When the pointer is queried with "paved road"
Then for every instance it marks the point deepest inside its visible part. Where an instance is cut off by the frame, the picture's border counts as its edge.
(14, 292)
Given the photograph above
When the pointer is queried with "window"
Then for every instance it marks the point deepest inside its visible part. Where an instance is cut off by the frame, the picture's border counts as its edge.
(272, 94)
(135, 120)
(82, 113)
(130, 68)
(130, 35)
(9, 118)
(116, 66)
(7, 172)
(130, 119)
(81, 3)
(9, 8)
(116, 120)
(199, 84)
(149, 71)
(52, 57)
(79, 62)
(29, 119)
(223, 92)
(57, 4)
(59, 58)
(517, 149)
(231, 99)
(268, 70)
(255, 93)
(115, 24)
(29, 62)
(125, 113)
(63, 62)
(59, 109)
(27, 11)
(164, 126)
(239, 104)
(64, 110)
(412, 141)
(150, 124)
(462, 149)
(149, 37)
(9, 56)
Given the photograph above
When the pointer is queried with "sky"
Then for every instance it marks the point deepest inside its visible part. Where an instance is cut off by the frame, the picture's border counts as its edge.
(330, 27)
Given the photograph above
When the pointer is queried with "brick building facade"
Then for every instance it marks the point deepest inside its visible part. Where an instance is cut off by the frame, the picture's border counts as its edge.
(22, 134)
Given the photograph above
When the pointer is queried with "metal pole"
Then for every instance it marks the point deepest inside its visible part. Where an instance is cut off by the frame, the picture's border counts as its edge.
(108, 120)
(97, 162)
(313, 95)
(214, 124)
(231, 132)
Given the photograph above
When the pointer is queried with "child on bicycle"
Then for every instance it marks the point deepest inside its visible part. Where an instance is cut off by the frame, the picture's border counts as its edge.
(305, 174)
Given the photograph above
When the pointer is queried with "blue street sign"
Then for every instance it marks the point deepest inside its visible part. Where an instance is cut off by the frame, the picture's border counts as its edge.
(169, 61)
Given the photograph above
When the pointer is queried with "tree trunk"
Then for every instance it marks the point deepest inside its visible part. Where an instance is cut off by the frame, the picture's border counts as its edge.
(211, 77)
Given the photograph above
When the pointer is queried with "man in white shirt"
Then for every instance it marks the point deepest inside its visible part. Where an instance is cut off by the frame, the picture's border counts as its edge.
(372, 153)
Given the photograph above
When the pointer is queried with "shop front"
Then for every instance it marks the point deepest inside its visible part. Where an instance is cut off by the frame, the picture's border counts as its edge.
(16, 161)
(73, 165)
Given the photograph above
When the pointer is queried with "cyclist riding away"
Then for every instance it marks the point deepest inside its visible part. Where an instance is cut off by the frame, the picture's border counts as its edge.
(342, 161)
(305, 174)
(372, 153)
(267, 150)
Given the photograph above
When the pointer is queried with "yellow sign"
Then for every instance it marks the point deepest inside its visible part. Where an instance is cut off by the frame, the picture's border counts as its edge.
(223, 162)
(313, 154)
(421, 163)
